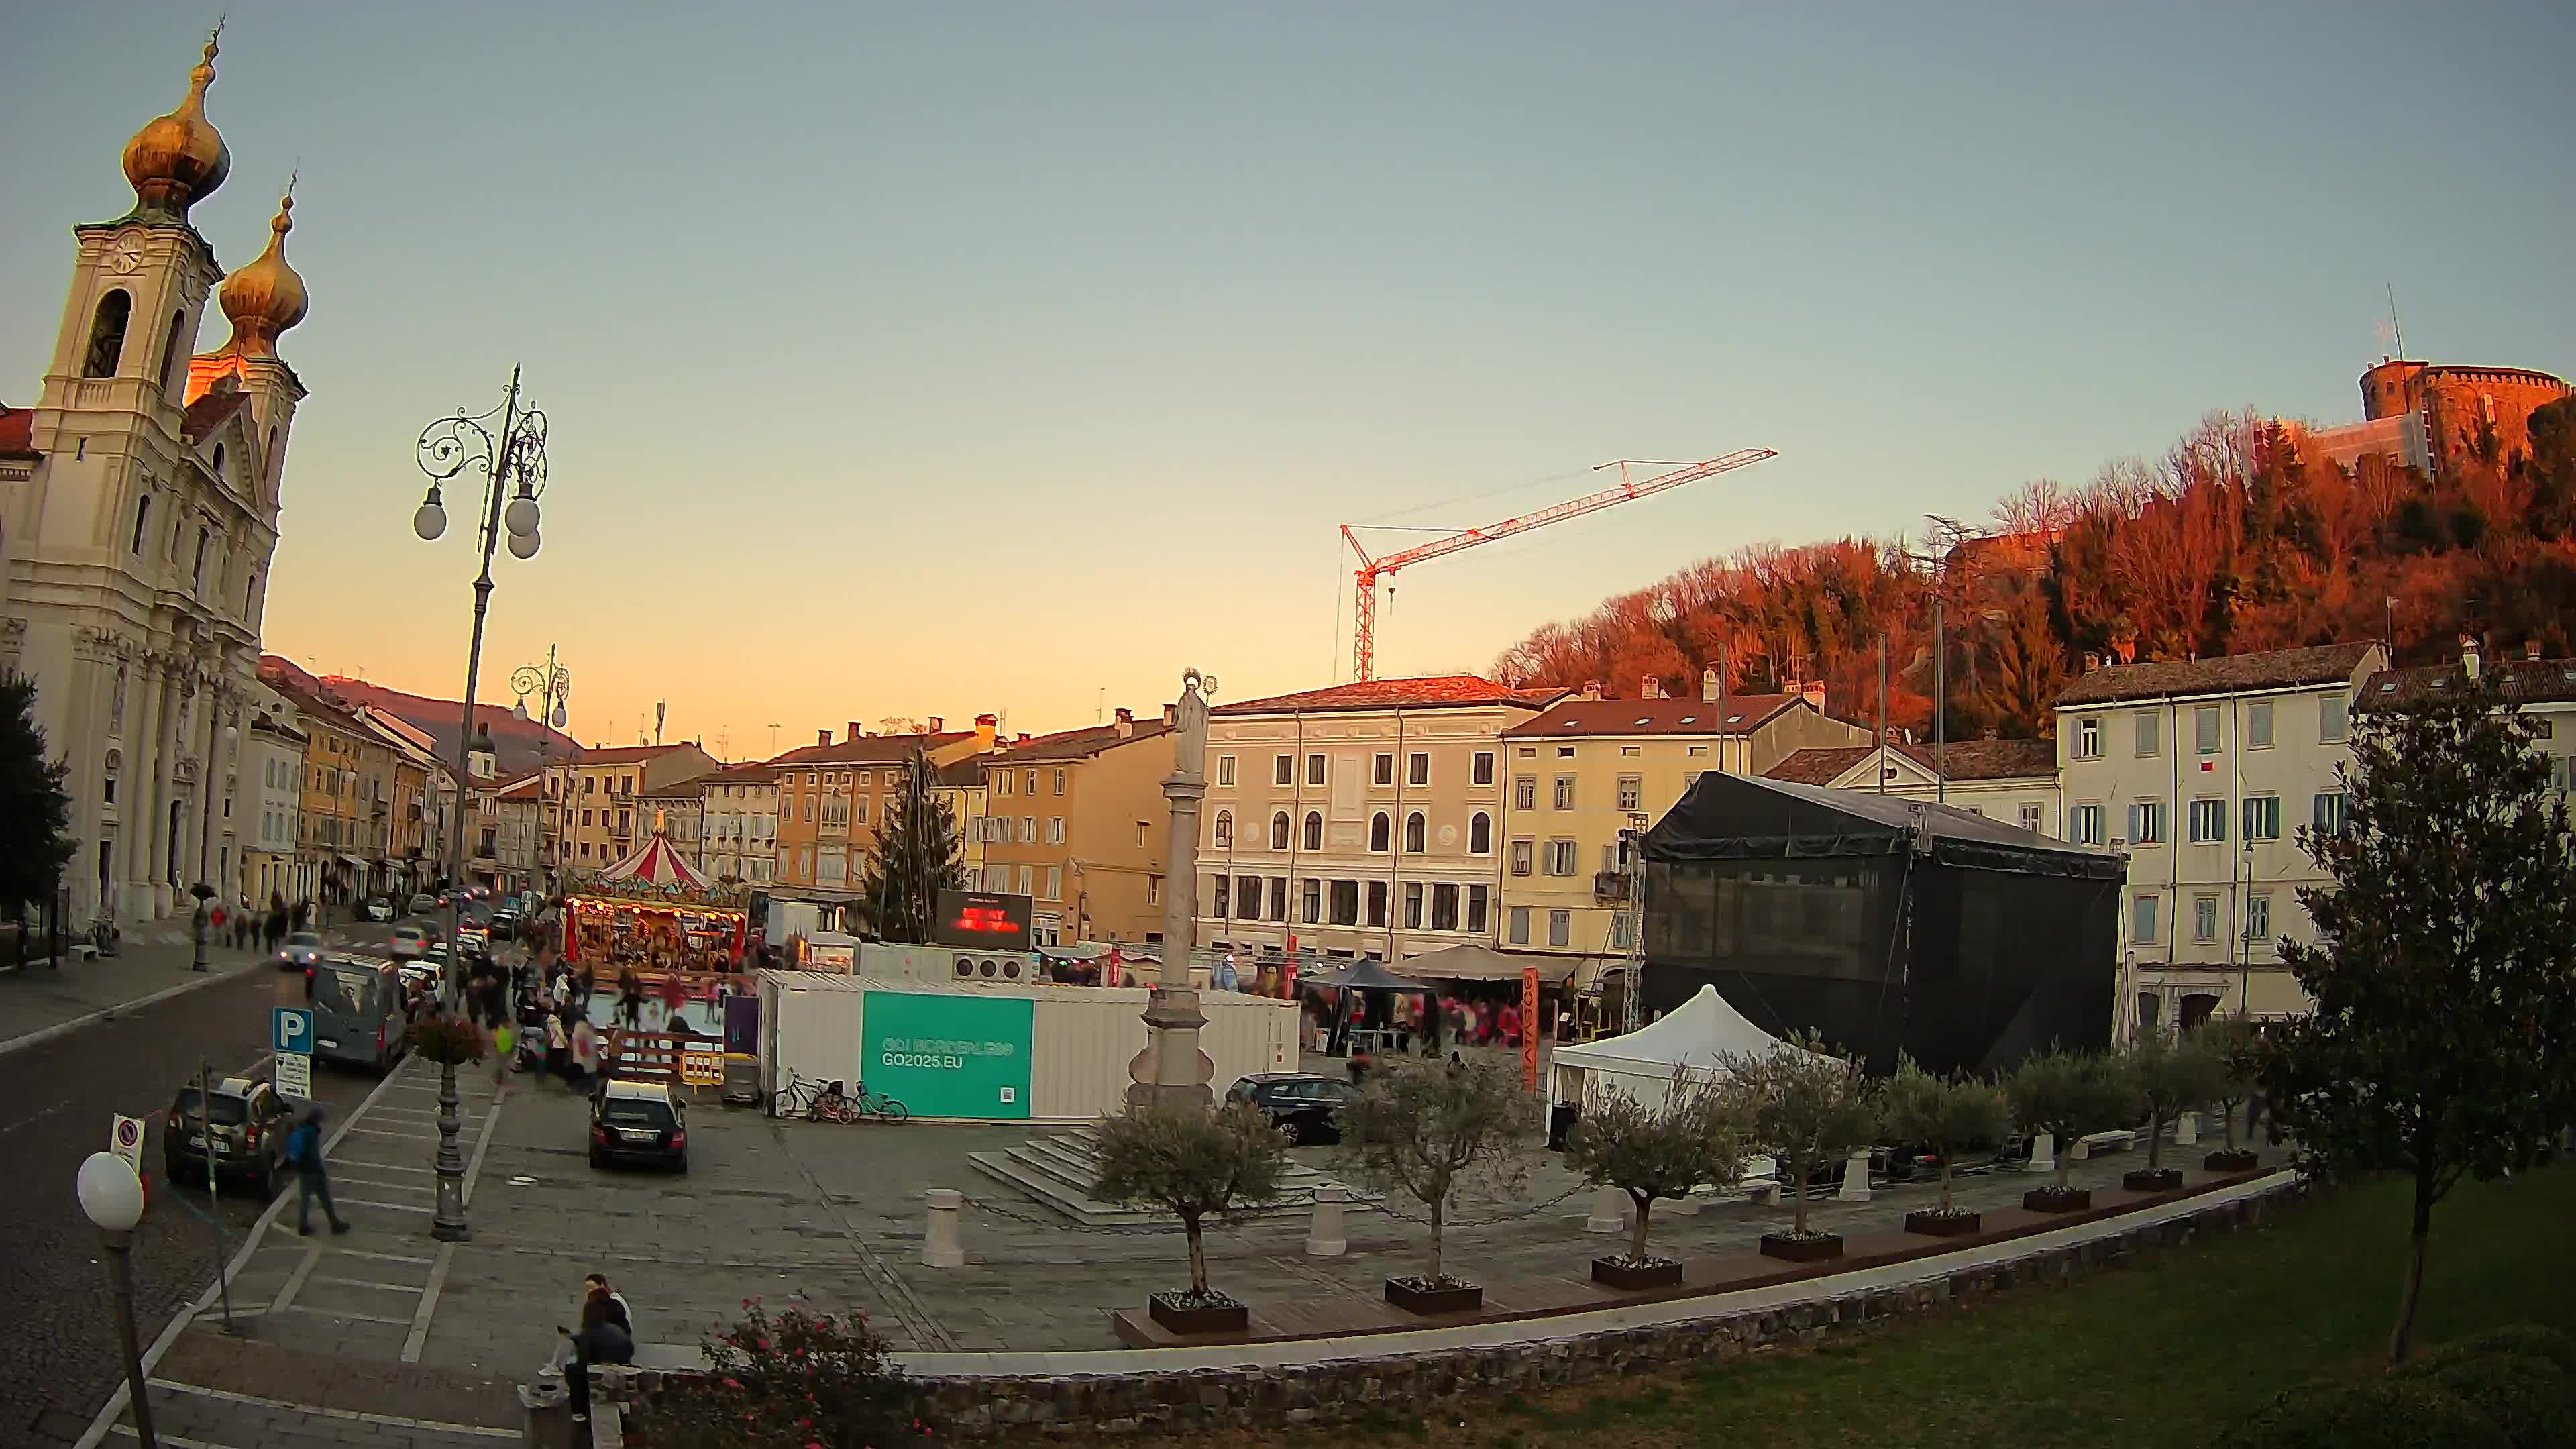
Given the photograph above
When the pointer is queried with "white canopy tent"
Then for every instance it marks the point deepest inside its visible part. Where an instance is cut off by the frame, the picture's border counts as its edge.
(1696, 1036)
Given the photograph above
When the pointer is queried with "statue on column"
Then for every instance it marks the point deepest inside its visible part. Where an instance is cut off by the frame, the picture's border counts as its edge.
(1190, 723)
(1171, 1068)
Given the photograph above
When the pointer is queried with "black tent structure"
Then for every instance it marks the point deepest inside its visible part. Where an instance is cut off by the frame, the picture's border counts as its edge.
(1888, 925)
(1374, 989)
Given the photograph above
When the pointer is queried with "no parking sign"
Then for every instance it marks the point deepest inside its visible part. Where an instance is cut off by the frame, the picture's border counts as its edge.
(125, 1139)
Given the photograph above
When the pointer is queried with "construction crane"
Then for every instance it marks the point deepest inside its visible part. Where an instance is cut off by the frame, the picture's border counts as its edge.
(1365, 577)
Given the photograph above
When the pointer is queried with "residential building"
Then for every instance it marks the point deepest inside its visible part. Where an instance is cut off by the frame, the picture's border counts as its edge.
(739, 805)
(597, 792)
(413, 856)
(2202, 772)
(141, 498)
(1077, 822)
(2543, 689)
(2009, 780)
(273, 808)
(347, 801)
(511, 815)
(962, 787)
(832, 799)
(1584, 769)
(1364, 819)
(678, 810)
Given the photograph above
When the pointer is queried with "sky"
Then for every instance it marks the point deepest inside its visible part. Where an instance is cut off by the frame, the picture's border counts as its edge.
(937, 360)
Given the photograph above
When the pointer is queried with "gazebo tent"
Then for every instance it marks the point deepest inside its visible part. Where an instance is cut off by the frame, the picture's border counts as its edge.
(1367, 978)
(1888, 925)
(1471, 962)
(1696, 1037)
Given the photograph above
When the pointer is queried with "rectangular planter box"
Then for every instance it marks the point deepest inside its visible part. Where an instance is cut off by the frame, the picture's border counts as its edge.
(1464, 1298)
(2050, 1200)
(2156, 1179)
(1801, 1250)
(1193, 1318)
(1933, 1224)
(2223, 1160)
(1636, 1277)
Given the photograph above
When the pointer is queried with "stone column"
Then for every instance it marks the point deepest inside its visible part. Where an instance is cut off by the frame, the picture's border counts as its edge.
(1171, 1068)
(1324, 1236)
(2043, 1152)
(939, 1246)
(1609, 1211)
(1855, 1178)
(2187, 1129)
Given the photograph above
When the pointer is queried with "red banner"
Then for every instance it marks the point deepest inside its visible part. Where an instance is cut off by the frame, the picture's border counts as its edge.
(1529, 1027)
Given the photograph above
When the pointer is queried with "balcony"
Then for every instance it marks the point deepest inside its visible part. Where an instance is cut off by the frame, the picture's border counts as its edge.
(1609, 886)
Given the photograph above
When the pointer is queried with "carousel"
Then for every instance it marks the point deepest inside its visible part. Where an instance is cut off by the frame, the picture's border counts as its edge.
(655, 912)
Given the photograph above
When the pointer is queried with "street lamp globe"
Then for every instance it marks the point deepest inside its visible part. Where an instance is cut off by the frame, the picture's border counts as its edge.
(110, 1194)
(521, 516)
(430, 520)
(519, 711)
(523, 545)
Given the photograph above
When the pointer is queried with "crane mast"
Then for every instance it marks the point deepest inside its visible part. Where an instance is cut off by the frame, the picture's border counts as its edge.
(1370, 570)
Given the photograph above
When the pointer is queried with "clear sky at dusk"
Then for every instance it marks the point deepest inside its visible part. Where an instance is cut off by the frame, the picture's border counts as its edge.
(951, 358)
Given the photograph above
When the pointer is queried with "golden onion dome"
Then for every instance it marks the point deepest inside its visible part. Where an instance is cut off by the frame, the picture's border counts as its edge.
(266, 297)
(179, 158)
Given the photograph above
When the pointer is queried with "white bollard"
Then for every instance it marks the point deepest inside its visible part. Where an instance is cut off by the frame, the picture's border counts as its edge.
(2043, 1152)
(939, 1247)
(2186, 1129)
(1324, 1237)
(2081, 1150)
(1609, 1211)
(1855, 1179)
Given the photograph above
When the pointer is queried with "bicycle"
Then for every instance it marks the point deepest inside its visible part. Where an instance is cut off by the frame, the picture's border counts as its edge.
(800, 1097)
(836, 1106)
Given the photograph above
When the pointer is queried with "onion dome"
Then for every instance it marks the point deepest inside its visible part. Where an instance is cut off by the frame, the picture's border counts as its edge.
(179, 158)
(266, 297)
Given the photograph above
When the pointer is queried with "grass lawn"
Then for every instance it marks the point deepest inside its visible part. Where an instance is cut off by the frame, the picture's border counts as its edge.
(2162, 1352)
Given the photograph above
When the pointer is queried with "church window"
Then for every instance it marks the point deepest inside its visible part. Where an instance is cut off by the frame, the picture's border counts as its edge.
(116, 706)
(107, 334)
(142, 516)
(170, 348)
(250, 592)
(199, 571)
(219, 461)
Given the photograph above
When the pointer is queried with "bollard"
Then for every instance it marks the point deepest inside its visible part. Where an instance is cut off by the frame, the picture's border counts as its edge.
(939, 1247)
(2043, 1152)
(1324, 1237)
(1855, 1178)
(1609, 1211)
(2186, 1129)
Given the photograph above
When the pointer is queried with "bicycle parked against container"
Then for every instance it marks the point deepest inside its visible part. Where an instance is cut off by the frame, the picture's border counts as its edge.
(799, 1096)
(841, 1107)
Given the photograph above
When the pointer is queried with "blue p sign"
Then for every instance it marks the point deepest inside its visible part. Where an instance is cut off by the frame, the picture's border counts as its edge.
(294, 1034)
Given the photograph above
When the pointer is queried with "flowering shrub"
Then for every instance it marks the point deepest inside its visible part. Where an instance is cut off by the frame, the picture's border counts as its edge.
(446, 1039)
(793, 1380)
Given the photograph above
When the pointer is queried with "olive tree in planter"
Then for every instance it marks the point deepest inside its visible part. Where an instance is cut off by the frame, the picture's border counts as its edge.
(1700, 1134)
(1194, 1164)
(1946, 1114)
(1427, 1130)
(2169, 1075)
(2068, 1094)
(1810, 1108)
(2235, 1041)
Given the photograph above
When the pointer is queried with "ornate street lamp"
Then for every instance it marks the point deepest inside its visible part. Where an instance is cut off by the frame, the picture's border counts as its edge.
(513, 464)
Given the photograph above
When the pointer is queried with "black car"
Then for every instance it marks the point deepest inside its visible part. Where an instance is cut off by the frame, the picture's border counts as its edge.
(638, 1122)
(505, 925)
(1308, 1104)
(248, 1136)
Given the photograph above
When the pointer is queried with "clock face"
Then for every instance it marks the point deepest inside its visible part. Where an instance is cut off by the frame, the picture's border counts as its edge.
(127, 256)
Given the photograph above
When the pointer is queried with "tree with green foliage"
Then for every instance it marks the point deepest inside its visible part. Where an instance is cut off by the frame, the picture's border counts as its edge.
(1192, 1162)
(917, 855)
(35, 810)
(1428, 1129)
(1810, 1107)
(2069, 1095)
(2443, 1039)
(2236, 1042)
(1701, 1133)
(1946, 1114)
(2168, 1075)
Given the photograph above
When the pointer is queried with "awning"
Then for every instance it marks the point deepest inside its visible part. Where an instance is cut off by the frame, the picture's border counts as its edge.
(1471, 962)
(359, 861)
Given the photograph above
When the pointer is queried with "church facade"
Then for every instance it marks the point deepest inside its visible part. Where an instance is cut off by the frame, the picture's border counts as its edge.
(138, 514)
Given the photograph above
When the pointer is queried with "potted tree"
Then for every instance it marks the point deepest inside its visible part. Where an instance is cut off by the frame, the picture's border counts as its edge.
(1194, 1164)
(1946, 1114)
(2168, 1075)
(1428, 1130)
(1810, 1108)
(2068, 1094)
(1700, 1134)
(2236, 1042)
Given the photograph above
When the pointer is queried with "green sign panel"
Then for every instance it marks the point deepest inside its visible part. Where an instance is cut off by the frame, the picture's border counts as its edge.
(950, 1056)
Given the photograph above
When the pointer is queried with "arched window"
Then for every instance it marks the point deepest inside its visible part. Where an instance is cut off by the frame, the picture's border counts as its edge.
(204, 536)
(170, 349)
(250, 597)
(1279, 831)
(1480, 834)
(268, 459)
(219, 460)
(107, 335)
(1314, 830)
(142, 516)
(1224, 829)
(1413, 832)
(1377, 831)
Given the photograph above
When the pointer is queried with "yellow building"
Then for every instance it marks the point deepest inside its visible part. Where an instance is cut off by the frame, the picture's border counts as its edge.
(1585, 769)
(962, 787)
(832, 797)
(599, 817)
(347, 801)
(1077, 822)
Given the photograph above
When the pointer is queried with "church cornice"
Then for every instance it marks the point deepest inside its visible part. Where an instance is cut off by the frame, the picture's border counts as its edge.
(153, 221)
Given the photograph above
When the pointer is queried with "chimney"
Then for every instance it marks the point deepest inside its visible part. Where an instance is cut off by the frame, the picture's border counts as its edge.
(1023, 739)
(938, 725)
(2126, 649)
(1708, 686)
(2469, 657)
(988, 728)
(2531, 651)
(822, 737)
(1592, 689)
(2092, 663)
(1814, 693)
(1651, 688)
(856, 732)
(1126, 722)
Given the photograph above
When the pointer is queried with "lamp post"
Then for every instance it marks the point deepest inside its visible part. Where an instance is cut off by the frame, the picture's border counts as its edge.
(112, 1198)
(515, 458)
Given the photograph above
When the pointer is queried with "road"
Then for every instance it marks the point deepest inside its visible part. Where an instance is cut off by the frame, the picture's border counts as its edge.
(60, 1360)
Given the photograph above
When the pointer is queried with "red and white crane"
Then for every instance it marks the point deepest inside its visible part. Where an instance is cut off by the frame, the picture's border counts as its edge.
(1365, 577)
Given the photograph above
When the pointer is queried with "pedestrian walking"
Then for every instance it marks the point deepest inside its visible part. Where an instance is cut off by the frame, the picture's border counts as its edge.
(585, 1056)
(312, 1179)
(600, 1340)
(630, 998)
(558, 1045)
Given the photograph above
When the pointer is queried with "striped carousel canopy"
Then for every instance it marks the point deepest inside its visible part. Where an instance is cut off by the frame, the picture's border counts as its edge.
(656, 865)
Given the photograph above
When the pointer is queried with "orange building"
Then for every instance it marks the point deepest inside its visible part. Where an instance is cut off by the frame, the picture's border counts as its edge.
(833, 797)
(1077, 821)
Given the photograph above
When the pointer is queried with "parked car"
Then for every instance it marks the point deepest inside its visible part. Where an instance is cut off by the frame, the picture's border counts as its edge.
(377, 908)
(410, 942)
(505, 924)
(421, 906)
(302, 948)
(638, 1122)
(248, 1135)
(1307, 1104)
(358, 1015)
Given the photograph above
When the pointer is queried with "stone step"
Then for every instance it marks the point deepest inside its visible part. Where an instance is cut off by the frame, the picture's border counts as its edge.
(1058, 1170)
(1055, 1194)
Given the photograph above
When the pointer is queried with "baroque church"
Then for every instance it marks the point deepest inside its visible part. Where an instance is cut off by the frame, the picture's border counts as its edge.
(138, 514)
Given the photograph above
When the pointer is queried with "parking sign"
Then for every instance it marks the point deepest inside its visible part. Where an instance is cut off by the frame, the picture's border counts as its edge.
(126, 1141)
(294, 1031)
